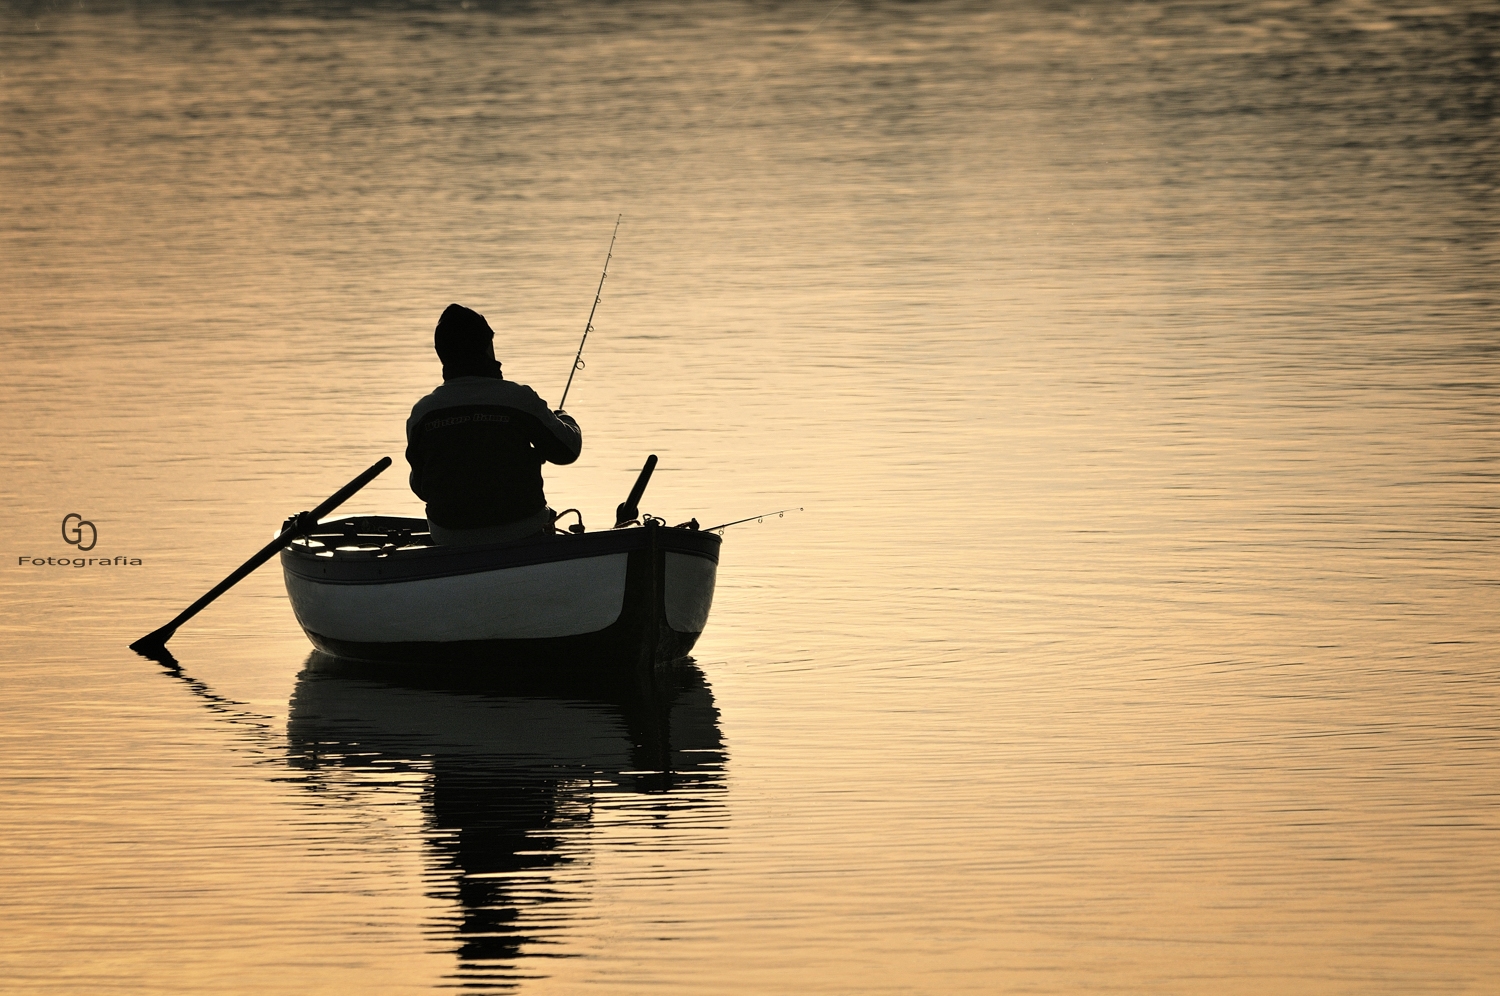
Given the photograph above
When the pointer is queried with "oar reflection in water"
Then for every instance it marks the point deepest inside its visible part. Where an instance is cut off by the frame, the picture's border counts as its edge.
(511, 777)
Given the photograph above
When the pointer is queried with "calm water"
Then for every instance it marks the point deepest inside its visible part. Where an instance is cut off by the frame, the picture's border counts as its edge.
(1138, 369)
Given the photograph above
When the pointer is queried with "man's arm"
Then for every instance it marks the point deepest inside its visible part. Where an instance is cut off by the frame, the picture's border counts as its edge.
(563, 440)
(555, 435)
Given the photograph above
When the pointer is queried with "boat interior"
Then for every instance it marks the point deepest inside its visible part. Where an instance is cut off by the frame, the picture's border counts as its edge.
(366, 534)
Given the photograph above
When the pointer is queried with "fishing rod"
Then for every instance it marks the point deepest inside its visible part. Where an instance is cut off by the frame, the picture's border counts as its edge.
(589, 325)
(756, 518)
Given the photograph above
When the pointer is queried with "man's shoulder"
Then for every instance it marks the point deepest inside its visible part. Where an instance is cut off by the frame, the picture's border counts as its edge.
(464, 391)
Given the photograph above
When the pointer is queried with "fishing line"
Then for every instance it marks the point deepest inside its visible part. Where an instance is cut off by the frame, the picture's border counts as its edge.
(588, 327)
(800, 42)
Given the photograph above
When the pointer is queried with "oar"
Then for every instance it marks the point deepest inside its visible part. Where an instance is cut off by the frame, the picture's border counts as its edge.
(154, 644)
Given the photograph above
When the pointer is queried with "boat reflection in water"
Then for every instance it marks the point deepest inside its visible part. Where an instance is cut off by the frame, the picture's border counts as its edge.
(510, 778)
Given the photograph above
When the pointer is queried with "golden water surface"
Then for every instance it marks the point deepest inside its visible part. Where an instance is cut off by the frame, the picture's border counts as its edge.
(1137, 366)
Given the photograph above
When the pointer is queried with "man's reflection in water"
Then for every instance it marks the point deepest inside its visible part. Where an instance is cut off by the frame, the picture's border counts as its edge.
(512, 770)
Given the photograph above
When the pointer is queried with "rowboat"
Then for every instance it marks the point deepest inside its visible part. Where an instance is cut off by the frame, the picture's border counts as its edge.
(376, 588)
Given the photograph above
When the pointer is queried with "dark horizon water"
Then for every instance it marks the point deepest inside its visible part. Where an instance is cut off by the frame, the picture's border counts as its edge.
(1136, 366)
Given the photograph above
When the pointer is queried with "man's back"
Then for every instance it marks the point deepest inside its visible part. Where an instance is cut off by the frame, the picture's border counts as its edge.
(476, 446)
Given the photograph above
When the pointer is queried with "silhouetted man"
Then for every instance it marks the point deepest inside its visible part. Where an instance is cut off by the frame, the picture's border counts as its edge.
(476, 445)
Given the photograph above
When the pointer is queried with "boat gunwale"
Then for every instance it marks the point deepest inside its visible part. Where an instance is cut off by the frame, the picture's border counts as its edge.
(430, 562)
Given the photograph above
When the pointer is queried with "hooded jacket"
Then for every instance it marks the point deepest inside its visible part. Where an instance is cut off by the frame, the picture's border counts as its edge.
(476, 446)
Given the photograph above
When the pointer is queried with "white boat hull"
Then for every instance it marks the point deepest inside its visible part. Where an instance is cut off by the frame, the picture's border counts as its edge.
(637, 593)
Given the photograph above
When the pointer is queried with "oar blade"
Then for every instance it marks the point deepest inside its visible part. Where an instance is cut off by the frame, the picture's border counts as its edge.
(153, 646)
